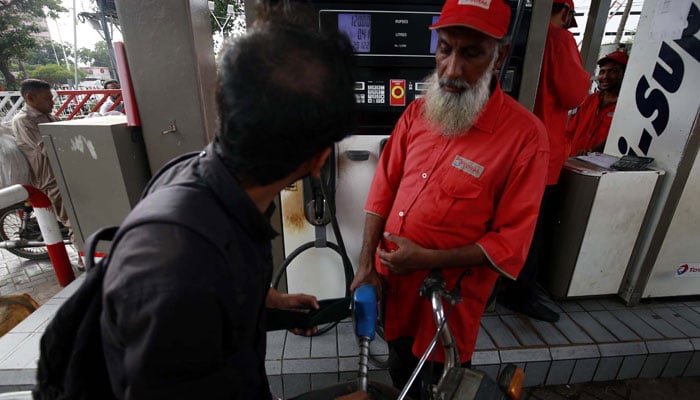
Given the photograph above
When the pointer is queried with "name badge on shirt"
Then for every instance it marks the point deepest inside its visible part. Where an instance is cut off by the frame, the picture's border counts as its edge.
(468, 166)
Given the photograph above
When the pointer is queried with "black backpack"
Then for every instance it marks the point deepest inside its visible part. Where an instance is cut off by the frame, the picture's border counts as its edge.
(71, 361)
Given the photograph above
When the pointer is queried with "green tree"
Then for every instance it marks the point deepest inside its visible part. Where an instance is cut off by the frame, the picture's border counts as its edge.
(18, 21)
(55, 74)
(97, 57)
(234, 23)
(48, 52)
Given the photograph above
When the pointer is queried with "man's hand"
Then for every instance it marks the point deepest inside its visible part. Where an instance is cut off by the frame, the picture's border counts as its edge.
(299, 302)
(365, 273)
(407, 257)
(367, 276)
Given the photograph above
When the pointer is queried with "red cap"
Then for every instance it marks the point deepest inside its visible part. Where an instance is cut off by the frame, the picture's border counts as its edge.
(491, 17)
(570, 4)
(619, 57)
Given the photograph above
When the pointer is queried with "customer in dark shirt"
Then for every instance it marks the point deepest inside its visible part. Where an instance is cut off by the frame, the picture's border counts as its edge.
(184, 304)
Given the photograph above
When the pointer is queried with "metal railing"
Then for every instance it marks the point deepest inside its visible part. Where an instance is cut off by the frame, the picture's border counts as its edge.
(69, 104)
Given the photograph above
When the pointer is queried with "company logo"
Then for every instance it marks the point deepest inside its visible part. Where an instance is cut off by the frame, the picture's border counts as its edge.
(468, 166)
(688, 270)
(485, 4)
(652, 95)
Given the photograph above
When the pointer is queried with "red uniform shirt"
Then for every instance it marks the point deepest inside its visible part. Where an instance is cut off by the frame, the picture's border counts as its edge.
(483, 187)
(563, 85)
(590, 125)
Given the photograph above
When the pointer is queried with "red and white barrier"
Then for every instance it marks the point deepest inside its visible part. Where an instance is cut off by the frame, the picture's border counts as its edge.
(45, 216)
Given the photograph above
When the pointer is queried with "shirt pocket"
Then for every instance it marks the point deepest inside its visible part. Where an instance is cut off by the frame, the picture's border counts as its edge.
(460, 194)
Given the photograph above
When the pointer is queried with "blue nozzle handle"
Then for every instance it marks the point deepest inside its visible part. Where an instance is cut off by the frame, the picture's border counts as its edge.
(365, 299)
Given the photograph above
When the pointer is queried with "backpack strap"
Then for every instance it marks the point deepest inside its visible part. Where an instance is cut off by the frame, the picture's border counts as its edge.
(105, 233)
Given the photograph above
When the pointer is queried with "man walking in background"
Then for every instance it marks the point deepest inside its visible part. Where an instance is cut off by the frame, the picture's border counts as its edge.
(38, 105)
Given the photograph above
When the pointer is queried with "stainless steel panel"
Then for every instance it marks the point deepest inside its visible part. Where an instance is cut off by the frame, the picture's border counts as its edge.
(101, 169)
(532, 64)
(171, 60)
(599, 216)
(577, 192)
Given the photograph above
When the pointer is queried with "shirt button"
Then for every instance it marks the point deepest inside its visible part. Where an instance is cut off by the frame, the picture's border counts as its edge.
(424, 175)
(401, 213)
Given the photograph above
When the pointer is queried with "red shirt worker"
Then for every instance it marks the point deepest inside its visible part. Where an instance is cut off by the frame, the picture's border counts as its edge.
(457, 188)
(563, 85)
(588, 128)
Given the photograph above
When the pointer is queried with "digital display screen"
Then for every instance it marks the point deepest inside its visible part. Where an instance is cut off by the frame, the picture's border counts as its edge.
(384, 33)
(434, 36)
(358, 27)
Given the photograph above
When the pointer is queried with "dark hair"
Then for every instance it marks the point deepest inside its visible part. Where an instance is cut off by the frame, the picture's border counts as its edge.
(114, 81)
(285, 93)
(33, 85)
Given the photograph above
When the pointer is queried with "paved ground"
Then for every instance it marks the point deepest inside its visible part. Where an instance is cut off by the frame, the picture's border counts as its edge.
(37, 278)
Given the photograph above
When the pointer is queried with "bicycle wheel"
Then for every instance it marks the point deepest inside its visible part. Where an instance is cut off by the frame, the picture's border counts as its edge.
(11, 229)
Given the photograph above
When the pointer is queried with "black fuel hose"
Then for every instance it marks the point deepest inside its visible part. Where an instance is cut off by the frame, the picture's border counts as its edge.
(338, 248)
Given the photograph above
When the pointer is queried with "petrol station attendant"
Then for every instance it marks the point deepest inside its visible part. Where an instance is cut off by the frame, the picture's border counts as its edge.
(588, 129)
(563, 85)
(457, 188)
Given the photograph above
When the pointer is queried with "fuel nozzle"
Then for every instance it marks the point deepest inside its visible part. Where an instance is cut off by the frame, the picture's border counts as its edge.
(316, 207)
(365, 306)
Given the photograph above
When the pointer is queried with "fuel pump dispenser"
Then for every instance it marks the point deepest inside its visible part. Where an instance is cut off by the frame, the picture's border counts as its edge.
(394, 52)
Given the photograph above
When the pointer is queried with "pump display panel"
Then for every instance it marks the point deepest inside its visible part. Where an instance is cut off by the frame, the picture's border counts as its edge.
(384, 33)
(394, 52)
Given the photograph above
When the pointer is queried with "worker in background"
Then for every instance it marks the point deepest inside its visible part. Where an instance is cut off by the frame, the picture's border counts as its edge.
(457, 188)
(588, 128)
(563, 85)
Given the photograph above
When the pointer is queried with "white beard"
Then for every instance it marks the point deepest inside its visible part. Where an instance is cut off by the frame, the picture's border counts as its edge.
(454, 113)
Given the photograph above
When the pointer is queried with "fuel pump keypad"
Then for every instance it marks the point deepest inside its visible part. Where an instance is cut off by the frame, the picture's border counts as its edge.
(375, 94)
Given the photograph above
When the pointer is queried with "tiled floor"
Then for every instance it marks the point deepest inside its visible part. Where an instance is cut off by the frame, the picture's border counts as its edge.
(297, 364)
(35, 277)
(595, 341)
(19, 348)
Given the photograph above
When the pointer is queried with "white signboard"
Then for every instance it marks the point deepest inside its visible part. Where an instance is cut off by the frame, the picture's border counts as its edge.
(657, 107)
